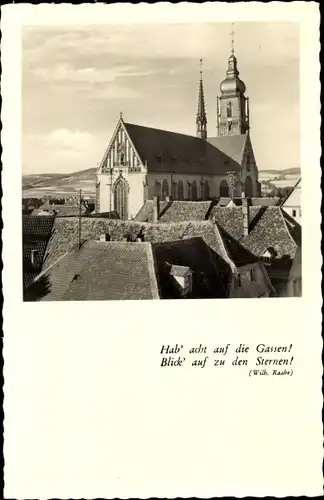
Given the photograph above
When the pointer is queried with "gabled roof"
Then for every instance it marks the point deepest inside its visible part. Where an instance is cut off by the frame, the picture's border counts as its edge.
(269, 227)
(64, 237)
(145, 214)
(290, 195)
(181, 271)
(180, 211)
(100, 271)
(166, 151)
(232, 146)
(193, 254)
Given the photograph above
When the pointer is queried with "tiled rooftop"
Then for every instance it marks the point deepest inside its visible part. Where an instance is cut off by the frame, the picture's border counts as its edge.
(269, 227)
(166, 151)
(181, 211)
(101, 271)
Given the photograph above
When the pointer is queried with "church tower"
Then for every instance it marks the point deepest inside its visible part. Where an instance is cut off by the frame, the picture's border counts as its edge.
(201, 120)
(232, 105)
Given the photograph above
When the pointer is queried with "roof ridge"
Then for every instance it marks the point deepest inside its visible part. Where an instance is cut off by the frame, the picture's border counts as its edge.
(162, 130)
(155, 288)
(286, 225)
(222, 244)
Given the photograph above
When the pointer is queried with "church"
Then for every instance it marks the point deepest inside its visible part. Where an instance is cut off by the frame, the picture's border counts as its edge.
(142, 162)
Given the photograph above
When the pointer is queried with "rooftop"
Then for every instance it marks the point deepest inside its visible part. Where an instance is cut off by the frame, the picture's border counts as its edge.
(166, 151)
(269, 227)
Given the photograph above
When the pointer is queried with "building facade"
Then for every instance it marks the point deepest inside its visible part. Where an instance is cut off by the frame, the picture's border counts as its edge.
(142, 162)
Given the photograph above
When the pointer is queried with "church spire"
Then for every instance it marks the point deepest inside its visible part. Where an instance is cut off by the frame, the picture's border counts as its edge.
(201, 120)
(232, 105)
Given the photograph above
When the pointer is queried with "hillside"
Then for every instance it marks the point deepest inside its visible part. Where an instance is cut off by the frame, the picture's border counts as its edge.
(287, 171)
(37, 185)
(59, 184)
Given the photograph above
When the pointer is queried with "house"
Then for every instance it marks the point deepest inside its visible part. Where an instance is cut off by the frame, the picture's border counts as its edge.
(292, 204)
(202, 246)
(268, 233)
(142, 162)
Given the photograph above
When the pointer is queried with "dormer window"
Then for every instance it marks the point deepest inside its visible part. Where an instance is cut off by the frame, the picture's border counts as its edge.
(268, 255)
(182, 276)
(105, 237)
(34, 254)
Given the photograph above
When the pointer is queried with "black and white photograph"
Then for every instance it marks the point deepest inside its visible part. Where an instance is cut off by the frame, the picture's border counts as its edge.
(161, 161)
(150, 152)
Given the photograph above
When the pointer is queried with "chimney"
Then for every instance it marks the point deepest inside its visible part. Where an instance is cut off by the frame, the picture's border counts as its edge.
(156, 208)
(246, 202)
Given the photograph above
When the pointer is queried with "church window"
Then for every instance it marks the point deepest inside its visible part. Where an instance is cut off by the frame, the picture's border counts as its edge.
(121, 198)
(223, 190)
(248, 163)
(238, 280)
(174, 191)
(189, 191)
(157, 189)
(206, 195)
(294, 213)
(165, 189)
(252, 277)
(180, 190)
(202, 190)
(194, 193)
(248, 187)
(229, 110)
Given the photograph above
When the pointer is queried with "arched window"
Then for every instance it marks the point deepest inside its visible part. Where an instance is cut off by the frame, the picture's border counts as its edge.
(202, 190)
(223, 189)
(121, 198)
(206, 194)
(238, 190)
(174, 191)
(248, 163)
(189, 191)
(229, 110)
(180, 190)
(165, 189)
(157, 189)
(248, 187)
(194, 193)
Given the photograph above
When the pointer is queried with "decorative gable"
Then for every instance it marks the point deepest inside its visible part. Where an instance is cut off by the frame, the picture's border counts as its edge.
(121, 153)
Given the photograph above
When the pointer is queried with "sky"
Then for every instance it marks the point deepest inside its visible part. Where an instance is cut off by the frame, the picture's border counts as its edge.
(77, 80)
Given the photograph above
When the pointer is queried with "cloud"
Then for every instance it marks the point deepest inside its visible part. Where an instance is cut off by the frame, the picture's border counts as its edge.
(61, 150)
(79, 79)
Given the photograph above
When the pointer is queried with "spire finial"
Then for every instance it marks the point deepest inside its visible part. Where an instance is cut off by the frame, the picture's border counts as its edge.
(121, 114)
(201, 120)
(232, 38)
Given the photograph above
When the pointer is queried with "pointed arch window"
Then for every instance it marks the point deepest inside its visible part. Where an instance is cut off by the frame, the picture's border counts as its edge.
(157, 189)
(165, 189)
(194, 193)
(248, 187)
(174, 191)
(180, 190)
(189, 191)
(202, 190)
(206, 194)
(229, 110)
(223, 189)
(121, 198)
